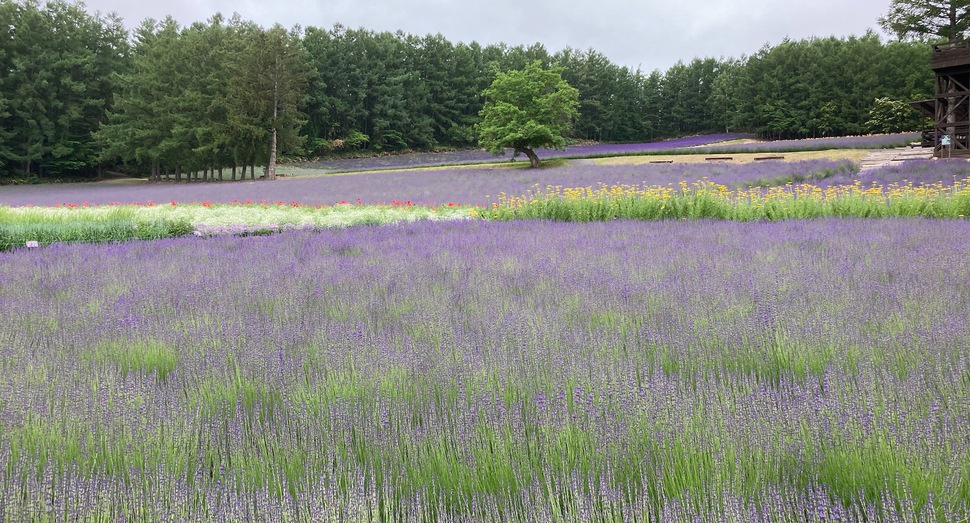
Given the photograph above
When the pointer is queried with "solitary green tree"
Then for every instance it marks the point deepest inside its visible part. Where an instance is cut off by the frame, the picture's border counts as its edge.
(526, 109)
(919, 19)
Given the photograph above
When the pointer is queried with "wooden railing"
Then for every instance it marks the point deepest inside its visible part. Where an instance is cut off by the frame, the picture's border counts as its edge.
(952, 54)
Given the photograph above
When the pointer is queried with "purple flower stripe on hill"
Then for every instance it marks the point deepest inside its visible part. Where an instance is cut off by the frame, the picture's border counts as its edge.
(475, 371)
(464, 185)
(397, 161)
(842, 142)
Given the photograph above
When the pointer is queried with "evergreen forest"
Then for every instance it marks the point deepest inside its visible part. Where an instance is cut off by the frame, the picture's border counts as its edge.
(80, 94)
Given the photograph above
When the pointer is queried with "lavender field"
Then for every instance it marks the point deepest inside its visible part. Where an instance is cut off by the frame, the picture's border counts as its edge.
(687, 145)
(835, 142)
(914, 172)
(399, 161)
(464, 185)
(812, 370)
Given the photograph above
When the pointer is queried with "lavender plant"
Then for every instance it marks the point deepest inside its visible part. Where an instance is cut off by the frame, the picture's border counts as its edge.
(910, 172)
(879, 141)
(687, 145)
(477, 371)
(471, 156)
(671, 191)
(463, 185)
(707, 200)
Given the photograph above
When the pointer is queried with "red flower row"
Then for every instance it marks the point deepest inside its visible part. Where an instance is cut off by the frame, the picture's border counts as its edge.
(263, 203)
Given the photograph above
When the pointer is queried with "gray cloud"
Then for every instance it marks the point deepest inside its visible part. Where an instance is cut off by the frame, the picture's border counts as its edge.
(650, 34)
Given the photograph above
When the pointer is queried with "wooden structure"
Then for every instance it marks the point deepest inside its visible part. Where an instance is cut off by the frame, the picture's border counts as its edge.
(951, 107)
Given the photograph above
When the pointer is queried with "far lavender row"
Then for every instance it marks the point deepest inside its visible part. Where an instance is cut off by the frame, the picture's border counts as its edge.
(681, 145)
(399, 161)
(879, 141)
(463, 185)
(474, 371)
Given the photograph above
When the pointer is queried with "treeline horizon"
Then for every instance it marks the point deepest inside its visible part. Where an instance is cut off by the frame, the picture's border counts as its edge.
(79, 93)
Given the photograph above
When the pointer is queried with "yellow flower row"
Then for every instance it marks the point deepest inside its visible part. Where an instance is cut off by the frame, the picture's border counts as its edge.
(749, 196)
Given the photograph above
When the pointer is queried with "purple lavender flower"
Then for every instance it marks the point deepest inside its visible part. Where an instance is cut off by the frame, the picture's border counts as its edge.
(807, 370)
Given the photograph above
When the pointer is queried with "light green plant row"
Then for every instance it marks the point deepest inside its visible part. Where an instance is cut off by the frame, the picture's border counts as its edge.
(47, 225)
(716, 202)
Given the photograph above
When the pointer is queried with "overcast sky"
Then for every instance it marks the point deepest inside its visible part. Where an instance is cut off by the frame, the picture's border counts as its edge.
(650, 34)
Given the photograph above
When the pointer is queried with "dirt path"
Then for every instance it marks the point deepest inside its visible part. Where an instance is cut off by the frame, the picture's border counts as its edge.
(882, 157)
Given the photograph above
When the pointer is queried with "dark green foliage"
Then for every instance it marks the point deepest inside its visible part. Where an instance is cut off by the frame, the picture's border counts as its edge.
(141, 129)
(808, 88)
(273, 72)
(612, 99)
(892, 116)
(76, 96)
(928, 19)
(686, 90)
(58, 68)
(819, 87)
(206, 97)
(398, 91)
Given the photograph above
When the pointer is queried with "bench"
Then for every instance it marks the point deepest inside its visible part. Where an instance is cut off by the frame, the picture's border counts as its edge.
(661, 161)
(776, 157)
(718, 158)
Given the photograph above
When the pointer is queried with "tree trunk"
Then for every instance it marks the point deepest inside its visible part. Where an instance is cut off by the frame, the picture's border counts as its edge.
(220, 175)
(233, 172)
(178, 174)
(252, 170)
(533, 159)
(952, 15)
(271, 166)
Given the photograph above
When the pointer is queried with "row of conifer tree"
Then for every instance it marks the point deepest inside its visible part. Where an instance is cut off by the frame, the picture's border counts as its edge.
(79, 93)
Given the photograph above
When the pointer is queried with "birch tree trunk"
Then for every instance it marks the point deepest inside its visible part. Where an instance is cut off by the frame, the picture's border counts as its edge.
(271, 167)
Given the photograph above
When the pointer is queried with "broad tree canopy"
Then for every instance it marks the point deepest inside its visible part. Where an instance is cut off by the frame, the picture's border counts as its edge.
(525, 109)
(921, 19)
